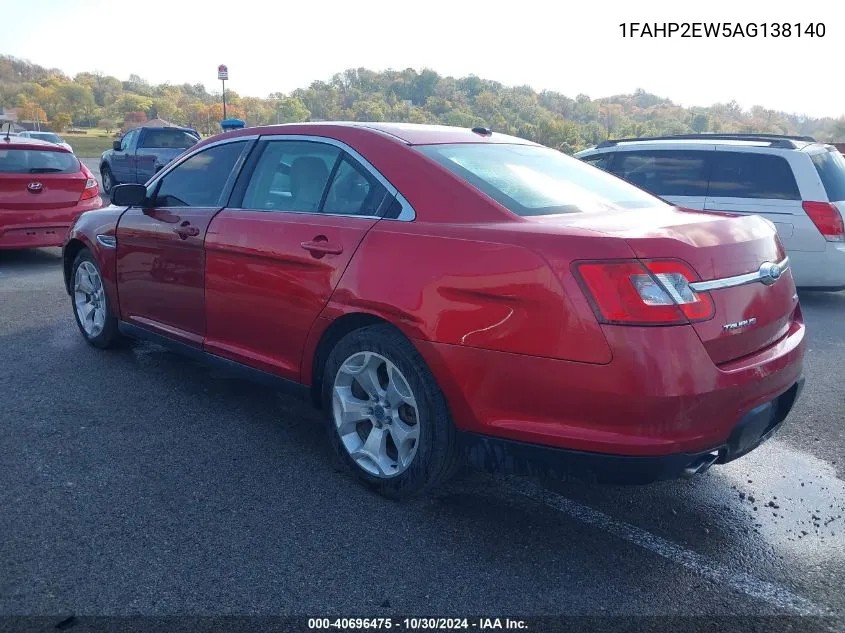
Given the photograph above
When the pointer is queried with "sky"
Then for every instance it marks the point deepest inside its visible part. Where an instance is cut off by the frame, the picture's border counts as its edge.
(572, 47)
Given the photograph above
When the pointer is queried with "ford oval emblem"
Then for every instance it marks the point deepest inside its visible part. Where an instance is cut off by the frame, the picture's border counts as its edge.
(770, 273)
(35, 187)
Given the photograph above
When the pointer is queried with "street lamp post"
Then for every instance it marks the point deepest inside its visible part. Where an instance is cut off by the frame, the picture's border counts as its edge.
(223, 75)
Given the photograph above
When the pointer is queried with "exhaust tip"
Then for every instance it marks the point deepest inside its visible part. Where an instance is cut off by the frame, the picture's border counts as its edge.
(701, 464)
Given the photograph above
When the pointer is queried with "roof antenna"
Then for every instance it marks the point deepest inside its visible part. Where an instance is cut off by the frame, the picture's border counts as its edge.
(8, 138)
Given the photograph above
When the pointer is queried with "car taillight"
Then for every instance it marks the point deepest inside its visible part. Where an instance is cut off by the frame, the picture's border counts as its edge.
(827, 219)
(650, 292)
(92, 188)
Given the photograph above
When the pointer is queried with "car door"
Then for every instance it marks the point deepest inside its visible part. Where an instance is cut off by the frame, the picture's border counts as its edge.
(679, 176)
(747, 182)
(120, 158)
(160, 252)
(274, 257)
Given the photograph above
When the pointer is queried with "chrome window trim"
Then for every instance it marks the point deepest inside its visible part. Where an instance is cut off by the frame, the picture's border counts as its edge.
(408, 214)
(109, 241)
(768, 273)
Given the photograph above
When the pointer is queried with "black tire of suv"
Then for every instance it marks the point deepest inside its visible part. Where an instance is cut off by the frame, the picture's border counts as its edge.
(112, 182)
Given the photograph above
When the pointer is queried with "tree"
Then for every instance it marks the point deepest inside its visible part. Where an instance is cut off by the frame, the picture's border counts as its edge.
(61, 122)
(129, 102)
(131, 119)
(700, 123)
(107, 124)
(292, 110)
(32, 112)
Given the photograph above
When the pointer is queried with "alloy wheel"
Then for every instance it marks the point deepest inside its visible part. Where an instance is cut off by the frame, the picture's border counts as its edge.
(375, 414)
(89, 298)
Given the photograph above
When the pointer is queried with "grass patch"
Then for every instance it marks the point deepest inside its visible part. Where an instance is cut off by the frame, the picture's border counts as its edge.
(89, 145)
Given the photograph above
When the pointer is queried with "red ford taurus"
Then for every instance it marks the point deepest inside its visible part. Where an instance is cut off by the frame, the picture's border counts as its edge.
(445, 293)
(43, 189)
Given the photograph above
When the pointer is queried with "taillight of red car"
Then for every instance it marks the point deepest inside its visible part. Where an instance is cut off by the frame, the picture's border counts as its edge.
(92, 188)
(644, 292)
(827, 219)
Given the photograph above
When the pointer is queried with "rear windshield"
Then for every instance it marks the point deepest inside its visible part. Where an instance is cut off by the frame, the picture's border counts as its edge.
(32, 161)
(46, 136)
(170, 139)
(534, 180)
(831, 168)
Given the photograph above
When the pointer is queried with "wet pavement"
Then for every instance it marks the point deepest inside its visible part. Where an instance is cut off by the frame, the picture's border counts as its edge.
(137, 481)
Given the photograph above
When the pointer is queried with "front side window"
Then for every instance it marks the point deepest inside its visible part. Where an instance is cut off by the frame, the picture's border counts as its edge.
(535, 180)
(752, 175)
(665, 172)
(127, 140)
(602, 161)
(198, 181)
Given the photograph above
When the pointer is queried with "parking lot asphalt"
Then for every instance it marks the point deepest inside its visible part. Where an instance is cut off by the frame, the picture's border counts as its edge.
(139, 482)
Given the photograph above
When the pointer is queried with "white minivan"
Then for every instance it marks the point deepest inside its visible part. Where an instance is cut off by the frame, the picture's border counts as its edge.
(793, 181)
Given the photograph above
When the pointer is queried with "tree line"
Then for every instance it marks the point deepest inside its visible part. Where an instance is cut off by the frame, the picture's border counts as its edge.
(93, 99)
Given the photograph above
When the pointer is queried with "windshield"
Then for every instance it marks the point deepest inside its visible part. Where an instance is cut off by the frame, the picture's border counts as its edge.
(47, 136)
(536, 180)
(30, 161)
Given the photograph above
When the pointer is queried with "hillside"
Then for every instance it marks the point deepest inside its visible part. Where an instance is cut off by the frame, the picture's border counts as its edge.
(92, 99)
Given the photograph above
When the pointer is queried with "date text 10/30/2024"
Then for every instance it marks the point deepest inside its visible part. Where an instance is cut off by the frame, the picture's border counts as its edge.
(723, 29)
(416, 624)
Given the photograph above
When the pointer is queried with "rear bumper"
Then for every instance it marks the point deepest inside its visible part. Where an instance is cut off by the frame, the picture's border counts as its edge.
(508, 456)
(661, 394)
(819, 270)
(40, 229)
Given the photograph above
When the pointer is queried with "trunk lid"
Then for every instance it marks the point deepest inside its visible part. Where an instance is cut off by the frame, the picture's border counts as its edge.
(747, 318)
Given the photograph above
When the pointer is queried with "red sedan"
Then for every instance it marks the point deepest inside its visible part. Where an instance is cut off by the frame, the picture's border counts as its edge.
(445, 292)
(43, 189)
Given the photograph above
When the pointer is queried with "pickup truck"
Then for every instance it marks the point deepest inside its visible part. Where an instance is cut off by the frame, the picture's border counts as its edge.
(142, 152)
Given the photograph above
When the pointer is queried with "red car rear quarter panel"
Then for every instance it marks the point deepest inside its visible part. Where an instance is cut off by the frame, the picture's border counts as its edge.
(456, 285)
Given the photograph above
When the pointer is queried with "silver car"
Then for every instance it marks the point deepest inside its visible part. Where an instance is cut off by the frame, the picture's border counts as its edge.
(794, 181)
(50, 137)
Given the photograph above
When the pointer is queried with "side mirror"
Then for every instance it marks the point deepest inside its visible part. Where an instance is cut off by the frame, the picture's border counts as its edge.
(115, 145)
(129, 195)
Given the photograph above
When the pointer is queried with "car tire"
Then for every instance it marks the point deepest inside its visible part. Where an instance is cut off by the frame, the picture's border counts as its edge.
(91, 308)
(108, 180)
(417, 426)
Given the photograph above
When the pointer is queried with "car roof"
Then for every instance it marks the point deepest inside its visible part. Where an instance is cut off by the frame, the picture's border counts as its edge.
(25, 142)
(746, 139)
(407, 133)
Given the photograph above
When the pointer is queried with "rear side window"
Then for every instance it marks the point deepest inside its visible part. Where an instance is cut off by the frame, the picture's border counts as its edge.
(30, 161)
(831, 168)
(535, 180)
(169, 139)
(665, 172)
(750, 175)
(199, 181)
(602, 161)
(291, 176)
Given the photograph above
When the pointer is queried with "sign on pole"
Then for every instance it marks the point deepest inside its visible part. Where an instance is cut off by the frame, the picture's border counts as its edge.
(222, 72)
